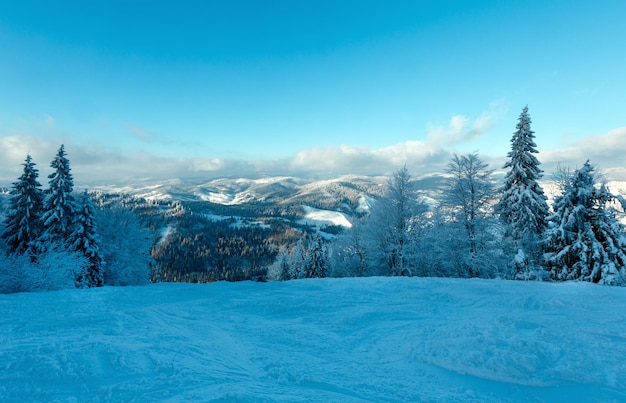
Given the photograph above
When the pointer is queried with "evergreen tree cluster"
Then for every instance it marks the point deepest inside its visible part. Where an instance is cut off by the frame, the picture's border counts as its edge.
(307, 259)
(52, 220)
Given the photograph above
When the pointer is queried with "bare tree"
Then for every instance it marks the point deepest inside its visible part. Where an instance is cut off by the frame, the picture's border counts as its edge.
(469, 191)
(393, 224)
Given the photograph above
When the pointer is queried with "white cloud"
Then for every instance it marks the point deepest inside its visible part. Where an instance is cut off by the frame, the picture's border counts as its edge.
(461, 129)
(49, 121)
(141, 133)
(607, 151)
(96, 164)
(16, 147)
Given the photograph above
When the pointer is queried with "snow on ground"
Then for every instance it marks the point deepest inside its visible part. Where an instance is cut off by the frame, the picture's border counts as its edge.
(239, 222)
(365, 204)
(323, 217)
(166, 232)
(320, 340)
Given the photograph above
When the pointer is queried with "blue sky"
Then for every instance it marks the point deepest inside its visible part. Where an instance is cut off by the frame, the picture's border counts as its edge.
(228, 88)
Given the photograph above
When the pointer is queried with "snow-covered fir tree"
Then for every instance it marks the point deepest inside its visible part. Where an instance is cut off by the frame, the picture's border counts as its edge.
(23, 221)
(317, 261)
(284, 269)
(522, 207)
(84, 239)
(59, 206)
(298, 258)
(584, 240)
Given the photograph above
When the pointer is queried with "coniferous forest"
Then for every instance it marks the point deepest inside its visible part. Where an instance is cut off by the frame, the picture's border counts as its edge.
(56, 238)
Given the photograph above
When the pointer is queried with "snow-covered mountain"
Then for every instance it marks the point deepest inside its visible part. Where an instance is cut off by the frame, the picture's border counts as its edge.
(285, 189)
(228, 191)
(323, 340)
(313, 202)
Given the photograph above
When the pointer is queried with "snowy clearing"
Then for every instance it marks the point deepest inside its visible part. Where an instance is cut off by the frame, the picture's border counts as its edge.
(348, 340)
(318, 217)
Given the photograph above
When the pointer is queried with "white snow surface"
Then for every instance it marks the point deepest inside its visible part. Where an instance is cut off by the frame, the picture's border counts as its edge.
(316, 216)
(317, 340)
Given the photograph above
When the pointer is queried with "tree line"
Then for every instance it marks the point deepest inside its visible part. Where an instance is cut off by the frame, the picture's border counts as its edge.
(481, 230)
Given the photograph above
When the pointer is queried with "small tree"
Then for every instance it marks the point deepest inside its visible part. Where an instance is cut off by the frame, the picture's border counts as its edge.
(23, 221)
(585, 241)
(125, 245)
(316, 264)
(280, 270)
(393, 223)
(468, 193)
(85, 240)
(298, 256)
(59, 206)
(350, 256)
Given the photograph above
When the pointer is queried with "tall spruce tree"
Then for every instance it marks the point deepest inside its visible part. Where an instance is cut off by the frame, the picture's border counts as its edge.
(59, 206)
(84, 239)
(523, 205)
(585, 241)
(23, 221)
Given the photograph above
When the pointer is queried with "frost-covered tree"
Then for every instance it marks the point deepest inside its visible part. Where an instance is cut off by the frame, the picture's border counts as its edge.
(84, 239)
(298, 257)
(584, 240)
(280, 270)
(468, 192)
(316, 263)
(350, 256)
(284, 270)
(59, 206)
(125, 245)
(522, 207)
(393, 224)
(23, 221)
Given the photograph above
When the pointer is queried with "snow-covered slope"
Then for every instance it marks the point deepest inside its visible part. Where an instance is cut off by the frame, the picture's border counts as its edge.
(313, 216)
(339, 340)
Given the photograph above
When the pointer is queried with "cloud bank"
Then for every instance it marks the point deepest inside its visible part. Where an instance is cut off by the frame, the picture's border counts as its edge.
(92, 164)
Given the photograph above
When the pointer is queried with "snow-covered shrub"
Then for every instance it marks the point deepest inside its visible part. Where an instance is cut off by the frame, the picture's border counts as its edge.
(280, 270)
(124, 246)
(54, 270)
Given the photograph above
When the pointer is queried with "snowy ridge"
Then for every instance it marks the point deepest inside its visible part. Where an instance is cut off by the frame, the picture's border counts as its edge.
(324, 340)
(238, 191)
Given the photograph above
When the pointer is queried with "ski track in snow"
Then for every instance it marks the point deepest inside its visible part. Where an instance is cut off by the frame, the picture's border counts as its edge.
(321, 340)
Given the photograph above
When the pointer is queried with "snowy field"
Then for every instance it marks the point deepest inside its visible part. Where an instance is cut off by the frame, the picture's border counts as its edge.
(339, 340)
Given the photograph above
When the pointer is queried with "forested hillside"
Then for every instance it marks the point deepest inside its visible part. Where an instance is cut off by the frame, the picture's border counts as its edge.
(462, 222)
